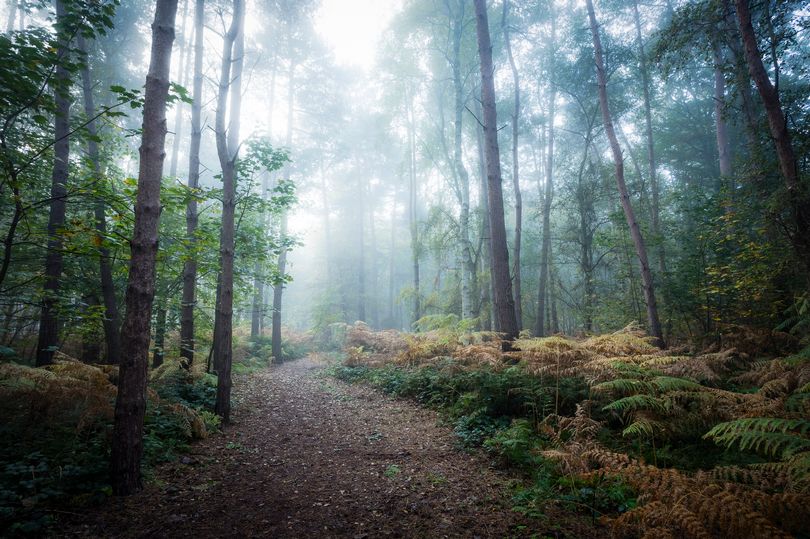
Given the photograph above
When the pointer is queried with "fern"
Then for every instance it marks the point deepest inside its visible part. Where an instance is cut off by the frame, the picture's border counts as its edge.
(671, 383)
(638, 402)
(643, 427)
(775, 437)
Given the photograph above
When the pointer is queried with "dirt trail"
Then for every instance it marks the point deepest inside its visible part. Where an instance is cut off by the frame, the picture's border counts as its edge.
(309, 456)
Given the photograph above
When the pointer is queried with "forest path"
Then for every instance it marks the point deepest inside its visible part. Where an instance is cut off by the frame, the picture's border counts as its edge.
(309, 456)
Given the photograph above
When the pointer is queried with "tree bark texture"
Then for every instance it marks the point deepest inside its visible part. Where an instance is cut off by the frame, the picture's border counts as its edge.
(189, 299)
(501, 280)
(515, 170)
(130, 404)
(112, 322)
(278, 289)
(412, 214)
(797, 195)
(635, 231)
(227, 140)
(467, 263)
(648, 132)
(48, 340)
(548, 195)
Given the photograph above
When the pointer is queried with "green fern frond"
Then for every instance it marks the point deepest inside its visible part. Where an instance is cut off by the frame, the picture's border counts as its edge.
(671, 383)
(637, 402)
(772, 436)
(625, 386)
(643, 428)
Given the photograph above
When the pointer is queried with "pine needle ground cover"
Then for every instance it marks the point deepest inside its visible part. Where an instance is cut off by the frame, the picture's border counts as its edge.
(651, 443)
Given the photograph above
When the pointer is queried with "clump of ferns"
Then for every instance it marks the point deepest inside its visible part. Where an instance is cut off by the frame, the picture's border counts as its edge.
(786, 441)
(649, 404)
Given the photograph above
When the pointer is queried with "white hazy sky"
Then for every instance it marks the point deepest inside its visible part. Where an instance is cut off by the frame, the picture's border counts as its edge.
(352, 28)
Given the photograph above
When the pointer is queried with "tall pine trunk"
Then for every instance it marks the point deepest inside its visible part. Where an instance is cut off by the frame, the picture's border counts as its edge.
(49, 321)
(648, 132)
(230, 84)
(111, 322)
(412, 216)
(485, 309)
(278, 289)
(467, 262)
(189, 300)
(635, 231)
(545, 250)
(130, 404)
(501, 280)
(515, 169)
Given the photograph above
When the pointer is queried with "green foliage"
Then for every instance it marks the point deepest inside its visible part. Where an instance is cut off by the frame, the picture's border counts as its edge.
(771, 436)
(516, 445)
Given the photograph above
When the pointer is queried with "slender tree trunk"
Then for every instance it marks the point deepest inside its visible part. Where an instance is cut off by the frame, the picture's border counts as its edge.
(721, 130)
(645, 82)
(515, 170)
(486, 309)
(230, 84)
(552, 296)
(278, 289)
(545, 250)
(49, 321)
(797, 196)
(91, 348)
(501, 280)
(160, 335)
(372, 300)
(632, 223)
(257, 311)
(189, 301)
(391, 266)
(467, 263)
(361, 247)
(182, 74)
(111, 321)
(412, 217)
(12, 15)
(130, 404)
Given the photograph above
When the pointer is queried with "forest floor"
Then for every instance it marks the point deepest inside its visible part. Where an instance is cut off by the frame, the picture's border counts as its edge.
(309, 456)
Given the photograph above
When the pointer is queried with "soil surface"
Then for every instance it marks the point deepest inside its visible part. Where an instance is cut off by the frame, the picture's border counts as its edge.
(309, 456)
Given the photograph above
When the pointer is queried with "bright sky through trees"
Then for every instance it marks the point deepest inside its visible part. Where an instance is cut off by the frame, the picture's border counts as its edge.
(352, 28)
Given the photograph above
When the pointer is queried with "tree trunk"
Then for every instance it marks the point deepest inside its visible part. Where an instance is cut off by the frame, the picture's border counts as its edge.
(12, 15)
(635, 231)
(111, 321)
(361, 255)
(372, 301)
(257, 311)
(515, 170)
(721, 130)
(230, 83)
(130, 404)
(486, 311)
(160, 336)
(182, 75)
(91, 347)
(189, 301)
(49, 321)
(545, 250)
(412, 217)
(501, 280)
(278, 289)
(645, 82)
(797, 197)
(467, 263)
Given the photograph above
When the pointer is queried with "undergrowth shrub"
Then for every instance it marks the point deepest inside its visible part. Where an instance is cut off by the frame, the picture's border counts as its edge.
(56, 428)
(726, 431)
